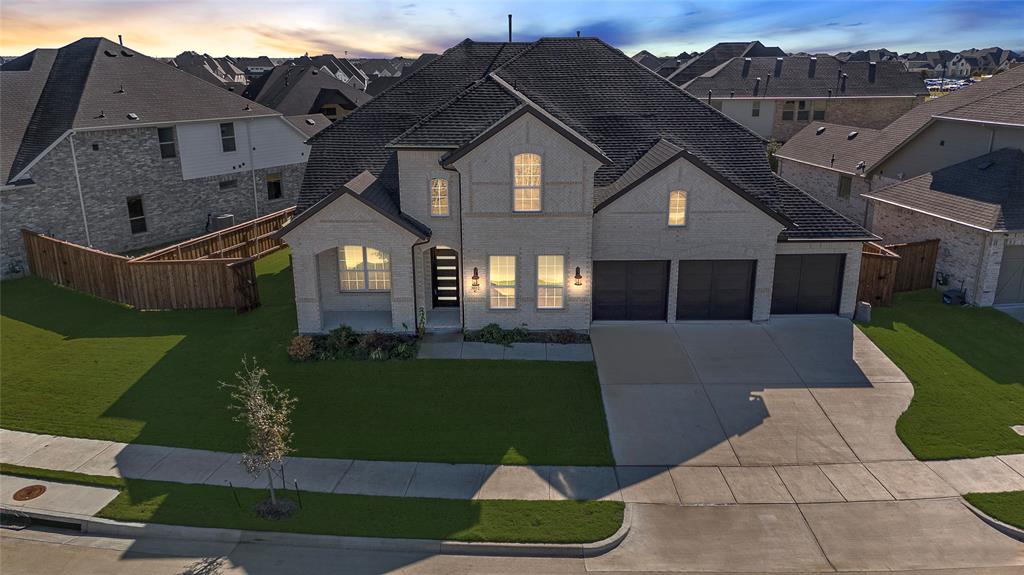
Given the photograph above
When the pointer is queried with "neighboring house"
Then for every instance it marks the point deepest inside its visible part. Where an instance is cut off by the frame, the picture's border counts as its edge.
(221, 72)
(688, 69)
(253, 67)
(104, 146)
(976, 210)
(776, 97)
(929, 64)
(495, 188)
(378, 85)
(377, 67)
(305, 89)
(880, 55)
(663, 66)
(418, 63)
(851, 173)
(340, 68)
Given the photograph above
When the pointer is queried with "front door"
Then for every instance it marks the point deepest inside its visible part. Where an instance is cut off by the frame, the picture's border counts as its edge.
(444, 269)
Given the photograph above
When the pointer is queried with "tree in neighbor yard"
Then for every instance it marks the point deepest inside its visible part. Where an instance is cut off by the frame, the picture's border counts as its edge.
(266, 411)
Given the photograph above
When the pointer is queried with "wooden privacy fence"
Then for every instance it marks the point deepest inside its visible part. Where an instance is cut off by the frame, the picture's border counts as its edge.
(877, 275)
(895, 268)
(148, 285)
(252, 239)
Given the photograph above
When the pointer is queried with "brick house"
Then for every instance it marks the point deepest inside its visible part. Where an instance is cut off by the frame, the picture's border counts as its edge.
(491, 187)
(106, 147)
(918, 179)
(776, 97)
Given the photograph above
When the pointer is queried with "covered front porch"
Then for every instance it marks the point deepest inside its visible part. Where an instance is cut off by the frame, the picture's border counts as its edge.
(440, 320)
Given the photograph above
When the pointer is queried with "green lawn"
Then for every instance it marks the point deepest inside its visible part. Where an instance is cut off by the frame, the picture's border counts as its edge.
(967, 366)
(357, 515)
(1007, 507)
(84, 367)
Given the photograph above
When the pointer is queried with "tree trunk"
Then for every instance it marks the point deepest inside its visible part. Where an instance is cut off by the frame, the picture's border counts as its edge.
(270, 484)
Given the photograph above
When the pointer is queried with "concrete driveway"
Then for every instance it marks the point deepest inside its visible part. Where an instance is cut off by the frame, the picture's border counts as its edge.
(786, 392)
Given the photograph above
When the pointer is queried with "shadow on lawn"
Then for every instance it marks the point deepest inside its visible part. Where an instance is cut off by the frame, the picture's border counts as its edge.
(449, 411)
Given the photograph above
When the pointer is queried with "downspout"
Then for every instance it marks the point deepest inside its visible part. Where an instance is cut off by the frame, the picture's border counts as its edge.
(991, 139)
(415, 305)
(78, 184)
(252, 169)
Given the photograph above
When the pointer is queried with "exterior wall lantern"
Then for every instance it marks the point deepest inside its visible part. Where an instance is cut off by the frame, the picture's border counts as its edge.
(578, 277)
(476, 279)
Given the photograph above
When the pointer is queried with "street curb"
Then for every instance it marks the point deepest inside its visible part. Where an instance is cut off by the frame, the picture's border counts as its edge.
(1004, 528)
(108, 527)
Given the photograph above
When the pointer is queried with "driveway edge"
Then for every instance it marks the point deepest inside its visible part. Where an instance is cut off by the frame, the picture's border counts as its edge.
(1004, 528)
(111, 528)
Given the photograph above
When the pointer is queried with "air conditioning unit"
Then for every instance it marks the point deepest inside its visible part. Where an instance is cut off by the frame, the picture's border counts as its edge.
(223, 221)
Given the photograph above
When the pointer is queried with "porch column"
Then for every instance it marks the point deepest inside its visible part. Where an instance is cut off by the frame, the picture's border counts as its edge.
(307, 292)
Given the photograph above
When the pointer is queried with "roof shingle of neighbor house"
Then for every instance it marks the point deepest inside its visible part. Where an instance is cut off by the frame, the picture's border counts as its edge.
(985, 192)
(806, 77)
(997, 99)
(94, 84)
(588, 90)
(294, 89)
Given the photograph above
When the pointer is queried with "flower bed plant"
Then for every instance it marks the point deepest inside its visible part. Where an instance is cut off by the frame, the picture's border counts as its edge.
(493, 333)
(344, 343)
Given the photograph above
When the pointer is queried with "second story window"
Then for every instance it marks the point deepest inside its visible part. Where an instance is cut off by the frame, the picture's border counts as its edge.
(788, 107)
(819, 110)
(802, 110)
(274, 191)
(227, 137)
(755, 110)
(526, 183)
(168, 147)
(677, 209)
(845, 183)
(136, 215)
(439, 197)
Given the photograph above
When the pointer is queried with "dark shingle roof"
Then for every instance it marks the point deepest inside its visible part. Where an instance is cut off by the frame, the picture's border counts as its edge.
(597, 93)
(985, 192)
(716, 56)
(297, 89)
(792, 77)
(309, 124)
(982, 101)
(96, 83)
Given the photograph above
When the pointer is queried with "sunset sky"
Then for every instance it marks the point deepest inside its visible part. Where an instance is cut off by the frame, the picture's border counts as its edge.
(409, 27)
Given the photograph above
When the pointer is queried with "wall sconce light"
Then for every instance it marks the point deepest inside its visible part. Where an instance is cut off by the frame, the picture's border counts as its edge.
(578, 277)
(476, 279)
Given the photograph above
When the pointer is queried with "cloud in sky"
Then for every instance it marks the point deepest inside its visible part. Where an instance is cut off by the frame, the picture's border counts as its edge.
(389, 27)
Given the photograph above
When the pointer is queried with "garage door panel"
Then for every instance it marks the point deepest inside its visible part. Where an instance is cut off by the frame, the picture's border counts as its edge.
(1010, 285)
(630, 290)
(807, 283)
(715, 289)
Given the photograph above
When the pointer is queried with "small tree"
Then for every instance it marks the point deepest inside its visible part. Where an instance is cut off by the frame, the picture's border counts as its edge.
(266, 411)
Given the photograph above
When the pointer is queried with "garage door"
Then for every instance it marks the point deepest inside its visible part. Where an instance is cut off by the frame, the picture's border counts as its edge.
(809, 283)
(630, 290)
(1010, 287)
(715, 289)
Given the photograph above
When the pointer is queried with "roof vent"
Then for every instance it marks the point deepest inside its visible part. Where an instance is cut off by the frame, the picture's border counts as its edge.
(832, 162)
(310, 121)
(102, 115)
(872, 67)
(757, 84)
(851, 135)
(110, 54)
(985, 165)
(860, 165)
(315, 71)
(247, 108)
(133, 116)
(746, 67)
(812, 66)
(126, 54)
(842, 85)
(120, 90)
(820, 130)
(778, 66)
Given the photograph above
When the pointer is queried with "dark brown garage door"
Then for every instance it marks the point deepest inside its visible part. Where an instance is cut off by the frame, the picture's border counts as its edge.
(630, 290)
(809, 283)
(715, 289)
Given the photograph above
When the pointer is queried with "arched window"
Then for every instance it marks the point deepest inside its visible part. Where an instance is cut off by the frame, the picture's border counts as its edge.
(439, 197)
(526, 183)
(363, 269)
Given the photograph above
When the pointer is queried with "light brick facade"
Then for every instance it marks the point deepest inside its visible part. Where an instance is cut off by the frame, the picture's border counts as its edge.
(114, 165)
(875, 113)
(823, 184)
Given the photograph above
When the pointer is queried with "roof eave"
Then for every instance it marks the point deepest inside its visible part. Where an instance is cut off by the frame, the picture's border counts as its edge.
(330, 198)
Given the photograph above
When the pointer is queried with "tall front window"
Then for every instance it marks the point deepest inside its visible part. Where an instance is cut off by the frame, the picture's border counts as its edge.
(526, 184)
(677, 209)
(550, 282)
(227, 137)
(168, 149)
(439, 197)
(502, 278)
(361, 268)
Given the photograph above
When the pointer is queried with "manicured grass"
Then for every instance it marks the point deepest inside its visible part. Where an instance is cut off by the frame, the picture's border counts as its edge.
(84, 367)
(967, 367)
(357, 515)
(1007, 507)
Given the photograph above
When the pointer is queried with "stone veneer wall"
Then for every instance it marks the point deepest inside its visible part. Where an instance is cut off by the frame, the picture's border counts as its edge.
(128, 163)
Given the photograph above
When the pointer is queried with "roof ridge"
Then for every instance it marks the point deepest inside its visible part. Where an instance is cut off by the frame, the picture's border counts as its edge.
(985, 97)
(444, 106)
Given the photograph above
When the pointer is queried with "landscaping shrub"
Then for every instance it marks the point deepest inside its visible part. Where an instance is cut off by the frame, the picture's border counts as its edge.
(493, 333)
(301, 348)
(345, 343)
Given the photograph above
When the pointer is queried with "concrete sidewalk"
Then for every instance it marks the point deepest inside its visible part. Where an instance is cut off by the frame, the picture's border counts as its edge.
(672, 485)
(451, 346)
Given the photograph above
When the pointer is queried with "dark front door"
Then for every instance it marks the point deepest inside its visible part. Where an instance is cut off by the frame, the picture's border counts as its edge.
(715, 289)
(444, 269)
(630, 290)
(808, 283)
